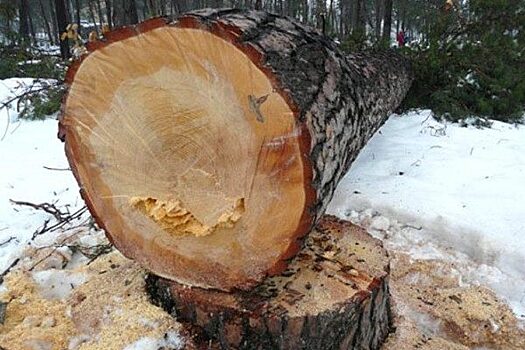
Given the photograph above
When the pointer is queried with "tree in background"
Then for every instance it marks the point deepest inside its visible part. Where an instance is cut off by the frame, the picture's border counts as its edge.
(470, 61)
(23, 21)
(8, 17)
(62, 22)
(387, 22)
(468, 54)
(124, 12)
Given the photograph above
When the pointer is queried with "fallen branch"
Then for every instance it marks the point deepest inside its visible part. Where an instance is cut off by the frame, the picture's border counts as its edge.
(32, 89)
(60, 224)
(58, 169)
(47, 207)
(35, 88)
(6, 271)
(60, 216)
(7, 241)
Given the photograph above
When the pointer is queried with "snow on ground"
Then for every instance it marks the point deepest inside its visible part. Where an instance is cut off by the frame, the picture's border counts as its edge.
(459, 190)
(171, 340)
(24, 156)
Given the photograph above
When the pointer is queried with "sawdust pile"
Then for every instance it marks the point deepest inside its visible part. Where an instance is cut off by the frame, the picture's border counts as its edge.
(110, 310)
(435, 312)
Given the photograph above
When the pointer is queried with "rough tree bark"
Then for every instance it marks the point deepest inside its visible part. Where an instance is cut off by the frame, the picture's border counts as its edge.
(378, 18)
(387, 27)
(359, 18)
(98, 5)
(31, 26)
(23, 23)
(92, 15)
(47, 26)
(61, 18)
(78, 6)
(334, 295)
(209, 146)
(109, 14)
(124, 12)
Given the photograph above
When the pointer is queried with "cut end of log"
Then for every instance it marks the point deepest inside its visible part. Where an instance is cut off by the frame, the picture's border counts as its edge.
(207, 147)
(333, 295)
(188, 156)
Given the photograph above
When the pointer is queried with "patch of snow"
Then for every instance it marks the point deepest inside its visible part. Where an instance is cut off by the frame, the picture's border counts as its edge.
(76, 341)
(22, 63)
(58, 284)
(24, 154)
(426, 324)
(449, 192)
(38, 344)
(171, 340)
(148, 323)
(380, 223)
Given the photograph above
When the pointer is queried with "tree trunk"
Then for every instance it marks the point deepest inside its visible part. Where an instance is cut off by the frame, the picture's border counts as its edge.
(47, 26)
(358, 18)
(53, 18)
(77, 7)
(378, 18)
(100, 14)
(109, 14)
(334, 295)
(61, 17)
(23, 24)
(151, 6)
(331, 18)
(92, 15)
(215, 154)
(31, 26)
(163, 4)
(320, 11)
(305, 11)
(387, 27)
(124, 12)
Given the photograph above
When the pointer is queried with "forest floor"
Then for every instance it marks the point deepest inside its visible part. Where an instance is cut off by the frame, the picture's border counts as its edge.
(446, 200)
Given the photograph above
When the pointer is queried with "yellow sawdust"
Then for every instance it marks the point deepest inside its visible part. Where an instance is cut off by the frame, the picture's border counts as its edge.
(23, 327)
(109, 311)
(175, 218)
(468, 316)
(408, 336)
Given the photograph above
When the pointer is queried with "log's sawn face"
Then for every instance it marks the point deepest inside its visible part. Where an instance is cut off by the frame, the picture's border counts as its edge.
(188, 155)
(208, 146)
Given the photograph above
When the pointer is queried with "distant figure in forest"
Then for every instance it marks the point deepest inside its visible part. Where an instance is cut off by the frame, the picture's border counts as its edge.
(400, 39)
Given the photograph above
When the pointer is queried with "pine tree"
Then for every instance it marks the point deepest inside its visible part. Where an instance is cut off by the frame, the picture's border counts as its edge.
(471, 61)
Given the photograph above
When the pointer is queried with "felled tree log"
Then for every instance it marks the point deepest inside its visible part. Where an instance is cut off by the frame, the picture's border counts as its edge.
(206, 147)
(333, 295)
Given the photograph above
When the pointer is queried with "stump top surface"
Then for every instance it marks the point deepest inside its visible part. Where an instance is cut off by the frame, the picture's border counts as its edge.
(339, 262)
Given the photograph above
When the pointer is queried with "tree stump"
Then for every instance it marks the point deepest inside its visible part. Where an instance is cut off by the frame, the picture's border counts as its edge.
(208, 146)
(333, 295)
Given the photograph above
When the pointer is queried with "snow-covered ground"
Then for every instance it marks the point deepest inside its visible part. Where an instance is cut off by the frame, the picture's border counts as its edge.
(34, 169)
(432, 190)
(459, 189)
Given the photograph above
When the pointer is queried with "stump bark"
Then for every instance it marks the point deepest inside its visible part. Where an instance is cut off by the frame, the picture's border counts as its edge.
(333, 295)
(208, 146)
